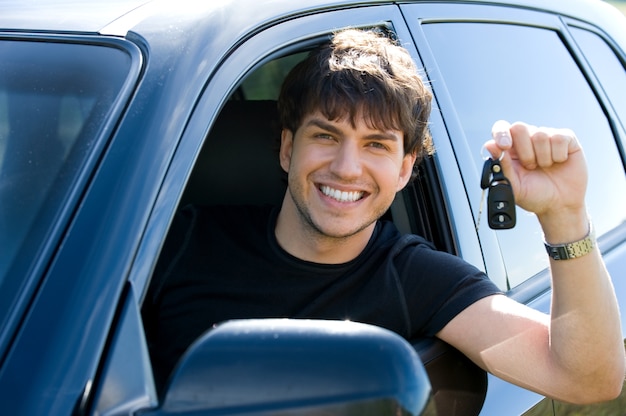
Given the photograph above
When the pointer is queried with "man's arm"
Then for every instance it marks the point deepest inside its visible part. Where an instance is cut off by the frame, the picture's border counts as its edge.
(577, 353)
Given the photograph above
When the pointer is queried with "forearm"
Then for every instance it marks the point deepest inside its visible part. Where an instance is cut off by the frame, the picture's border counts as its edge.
(585, 332)
(578, 354)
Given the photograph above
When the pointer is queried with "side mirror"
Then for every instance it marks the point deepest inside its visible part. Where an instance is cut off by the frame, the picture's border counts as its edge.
(298, 367)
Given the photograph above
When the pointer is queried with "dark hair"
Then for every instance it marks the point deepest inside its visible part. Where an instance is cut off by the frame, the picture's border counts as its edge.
(360, 71)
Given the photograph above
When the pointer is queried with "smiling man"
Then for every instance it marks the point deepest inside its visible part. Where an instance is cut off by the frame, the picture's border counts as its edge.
(342, 178)
(354, 117)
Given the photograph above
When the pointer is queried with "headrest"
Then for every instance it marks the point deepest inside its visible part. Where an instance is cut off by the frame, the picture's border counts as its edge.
(238, 163)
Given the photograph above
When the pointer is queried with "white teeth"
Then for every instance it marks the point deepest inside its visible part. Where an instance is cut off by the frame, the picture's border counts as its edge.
(341, 196)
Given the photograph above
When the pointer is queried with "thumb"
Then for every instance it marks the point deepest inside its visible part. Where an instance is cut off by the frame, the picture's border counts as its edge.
(501, 140)
(501, 134)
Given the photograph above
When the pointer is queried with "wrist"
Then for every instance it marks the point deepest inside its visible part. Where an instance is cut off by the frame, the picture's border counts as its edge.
(565, 226)
(574, 249)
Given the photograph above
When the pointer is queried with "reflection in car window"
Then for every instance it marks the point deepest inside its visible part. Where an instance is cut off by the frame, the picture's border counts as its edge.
(498, 71)
(54, 99)
(606, 66)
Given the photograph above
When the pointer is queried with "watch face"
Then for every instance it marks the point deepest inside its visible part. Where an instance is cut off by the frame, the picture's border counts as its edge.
(557, 252)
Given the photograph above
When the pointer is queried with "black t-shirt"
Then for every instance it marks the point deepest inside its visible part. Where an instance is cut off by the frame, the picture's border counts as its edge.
(225, 263)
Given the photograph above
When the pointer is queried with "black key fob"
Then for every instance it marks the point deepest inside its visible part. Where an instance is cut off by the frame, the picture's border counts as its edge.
(500, 199)
(501, 206)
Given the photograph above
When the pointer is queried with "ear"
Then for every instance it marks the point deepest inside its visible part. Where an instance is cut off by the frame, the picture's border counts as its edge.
(406, 170)
(286, 147)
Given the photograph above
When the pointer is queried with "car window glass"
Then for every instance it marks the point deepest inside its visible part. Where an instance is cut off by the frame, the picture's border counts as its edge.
(606, 66)
(498, 71)
(54, 99)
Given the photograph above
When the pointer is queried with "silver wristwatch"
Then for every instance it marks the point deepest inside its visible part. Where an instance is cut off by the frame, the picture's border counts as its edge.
(573, 250)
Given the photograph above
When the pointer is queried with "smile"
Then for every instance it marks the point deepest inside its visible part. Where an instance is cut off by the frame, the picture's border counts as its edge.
(341, 196)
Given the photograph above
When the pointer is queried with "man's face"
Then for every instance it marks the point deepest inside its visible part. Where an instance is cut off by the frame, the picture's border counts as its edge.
(341, 177)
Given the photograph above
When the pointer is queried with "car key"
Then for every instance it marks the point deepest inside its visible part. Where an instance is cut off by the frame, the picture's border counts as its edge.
(501, 206)
(500, 198)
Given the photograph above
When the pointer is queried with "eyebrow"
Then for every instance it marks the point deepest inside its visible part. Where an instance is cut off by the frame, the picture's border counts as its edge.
(379, 135)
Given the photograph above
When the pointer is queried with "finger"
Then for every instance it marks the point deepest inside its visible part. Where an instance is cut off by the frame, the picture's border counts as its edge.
(542, 147)
(492, 148)
(500, 132)
(501, 139)
(524, 149)
(553, 145)
(560, 144)
(568, 139)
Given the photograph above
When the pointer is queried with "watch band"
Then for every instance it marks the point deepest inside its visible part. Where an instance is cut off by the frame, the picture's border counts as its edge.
(573, 250)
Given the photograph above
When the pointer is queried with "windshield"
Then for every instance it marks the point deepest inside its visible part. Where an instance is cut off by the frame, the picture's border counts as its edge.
(54, 101)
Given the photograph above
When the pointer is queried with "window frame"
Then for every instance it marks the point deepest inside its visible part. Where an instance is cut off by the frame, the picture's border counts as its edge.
(260, 48)
(46, 246)
(275, 41)
(618, 124)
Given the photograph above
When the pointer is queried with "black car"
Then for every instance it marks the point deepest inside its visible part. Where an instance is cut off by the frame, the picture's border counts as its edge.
(113, 114)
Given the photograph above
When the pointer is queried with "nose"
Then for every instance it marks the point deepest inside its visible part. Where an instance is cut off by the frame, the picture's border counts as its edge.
(346, 163)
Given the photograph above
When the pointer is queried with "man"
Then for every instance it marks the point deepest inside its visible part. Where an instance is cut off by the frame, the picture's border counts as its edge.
(354, 118)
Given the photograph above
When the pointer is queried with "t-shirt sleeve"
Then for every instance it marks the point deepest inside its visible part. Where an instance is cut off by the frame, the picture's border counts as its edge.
(438, 286)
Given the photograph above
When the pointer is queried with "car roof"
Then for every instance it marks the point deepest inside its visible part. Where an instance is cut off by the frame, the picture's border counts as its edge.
(117, 17)
(63, 15)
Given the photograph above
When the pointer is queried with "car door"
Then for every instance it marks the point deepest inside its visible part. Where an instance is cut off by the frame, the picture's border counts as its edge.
(58, 96)
(496, 62)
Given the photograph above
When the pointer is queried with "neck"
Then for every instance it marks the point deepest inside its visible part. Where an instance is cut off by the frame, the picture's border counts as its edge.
(299, 238)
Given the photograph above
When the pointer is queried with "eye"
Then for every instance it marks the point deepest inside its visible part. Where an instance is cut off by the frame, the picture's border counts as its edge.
(377, 145)
(324, 136)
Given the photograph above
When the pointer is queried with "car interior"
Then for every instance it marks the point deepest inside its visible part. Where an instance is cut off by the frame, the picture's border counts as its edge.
(238, 164)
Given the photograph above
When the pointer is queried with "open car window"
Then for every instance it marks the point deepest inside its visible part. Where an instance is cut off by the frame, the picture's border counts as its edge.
(247, 130)
(246, 134)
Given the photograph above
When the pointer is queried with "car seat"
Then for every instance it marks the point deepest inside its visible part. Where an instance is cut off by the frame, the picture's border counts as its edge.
(238, 163)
